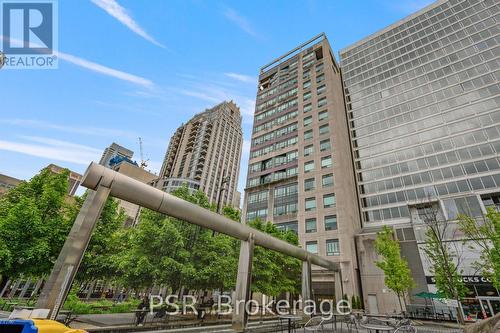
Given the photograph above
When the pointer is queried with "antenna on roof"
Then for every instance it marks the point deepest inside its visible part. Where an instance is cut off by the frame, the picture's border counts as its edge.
(144, 163)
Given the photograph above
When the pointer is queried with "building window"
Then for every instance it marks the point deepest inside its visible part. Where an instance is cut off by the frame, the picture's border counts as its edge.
(310, 225)
(309, 184)
(320, 78)
(320, 90)
(310, 204)
(329, 200)
(326, 162)
(308, 121)
(331, 222)
(464, 205)
(312, 247)
(288, 226)
(327, 180)
(324, 129)
(309, 166)
(306, 74)
(324, 145)
(491, 201)
(307, 96)
(332, 247)
(306, 84)
(323, 115)
(285, 209)
(308, 150)
(308, 135)
(322, 102)
(307, 108)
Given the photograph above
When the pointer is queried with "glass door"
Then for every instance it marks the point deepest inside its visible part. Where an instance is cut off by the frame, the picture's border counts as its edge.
(490, 305)
(495, 305)
(486, 308)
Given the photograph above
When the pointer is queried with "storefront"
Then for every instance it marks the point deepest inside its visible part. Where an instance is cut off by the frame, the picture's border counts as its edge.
(482, 299)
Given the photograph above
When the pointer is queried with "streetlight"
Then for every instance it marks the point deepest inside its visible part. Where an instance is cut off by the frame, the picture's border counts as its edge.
(225, 180)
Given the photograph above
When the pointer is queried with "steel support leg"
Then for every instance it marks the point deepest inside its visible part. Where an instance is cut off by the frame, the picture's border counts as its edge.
(59, 283)
(306, 282)
(243, 285)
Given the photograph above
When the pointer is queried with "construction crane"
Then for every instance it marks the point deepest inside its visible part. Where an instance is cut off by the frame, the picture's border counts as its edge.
(144, 163)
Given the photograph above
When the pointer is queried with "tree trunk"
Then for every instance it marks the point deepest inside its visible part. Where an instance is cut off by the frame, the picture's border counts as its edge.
(460, 316)
(26, 285)
(14, 288)
(5, 286)
(90, 290)
(34, 293)
(399, 300)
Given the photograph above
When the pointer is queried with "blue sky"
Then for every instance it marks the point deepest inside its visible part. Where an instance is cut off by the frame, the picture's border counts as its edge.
(130, 69)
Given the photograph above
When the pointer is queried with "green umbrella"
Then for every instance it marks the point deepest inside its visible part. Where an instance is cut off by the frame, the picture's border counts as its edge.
(425, 294)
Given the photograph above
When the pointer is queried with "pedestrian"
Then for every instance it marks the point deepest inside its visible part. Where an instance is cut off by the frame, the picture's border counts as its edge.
(143, 307)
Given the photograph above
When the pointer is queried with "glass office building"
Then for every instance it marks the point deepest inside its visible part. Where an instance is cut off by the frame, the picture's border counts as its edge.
(423, 103)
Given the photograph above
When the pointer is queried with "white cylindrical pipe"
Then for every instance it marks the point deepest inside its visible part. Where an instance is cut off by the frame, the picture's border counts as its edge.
(133, 191)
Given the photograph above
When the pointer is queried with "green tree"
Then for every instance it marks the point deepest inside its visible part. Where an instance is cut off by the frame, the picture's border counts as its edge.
(444, 255)
(274, 273)
(232, 213)
(485, 235)
(97, 263)
(397, 273)
(152, 252)
(35, 218)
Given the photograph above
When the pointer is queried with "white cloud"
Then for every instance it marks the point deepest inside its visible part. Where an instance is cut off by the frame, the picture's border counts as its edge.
(105, 70)
(215, 94)
(242, 78)
(240, 21)
(245, 149)
(51, 149)
(93, 131)
(94, 66)
(114, 9)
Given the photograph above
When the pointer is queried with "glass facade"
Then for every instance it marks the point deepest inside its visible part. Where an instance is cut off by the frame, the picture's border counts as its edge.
(423, 102)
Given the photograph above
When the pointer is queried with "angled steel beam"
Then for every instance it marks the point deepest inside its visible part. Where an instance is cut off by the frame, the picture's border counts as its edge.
(133, 191)
(105, 182)
(63, 273)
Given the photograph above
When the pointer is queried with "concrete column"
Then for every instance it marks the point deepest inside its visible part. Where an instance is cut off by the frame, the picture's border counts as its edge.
(306, 282)
(339, 290)
(56, 288)
(25, 288)
(90, 289)
(7, 285)
(243, 285)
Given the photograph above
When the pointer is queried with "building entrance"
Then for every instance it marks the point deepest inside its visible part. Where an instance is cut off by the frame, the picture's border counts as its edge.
(490, 305)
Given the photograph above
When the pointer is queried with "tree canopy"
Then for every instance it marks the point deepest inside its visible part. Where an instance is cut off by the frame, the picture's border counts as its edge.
(485, 234)
(35, 218)
(397, 273)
